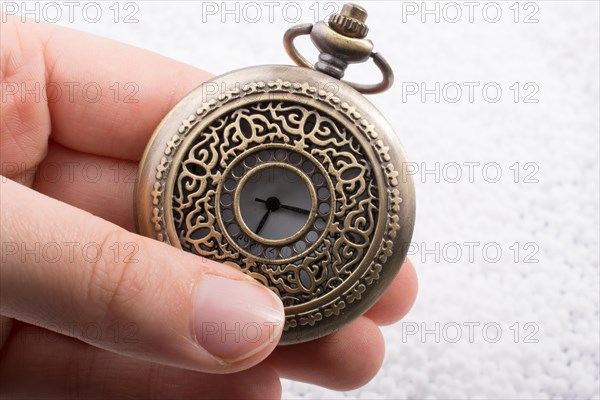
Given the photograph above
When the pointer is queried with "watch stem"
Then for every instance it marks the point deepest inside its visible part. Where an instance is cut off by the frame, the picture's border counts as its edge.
(350, 21)
(336, 54)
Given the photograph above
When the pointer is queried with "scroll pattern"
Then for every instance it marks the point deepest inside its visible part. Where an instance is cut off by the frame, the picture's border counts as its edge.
(307, 131)
(314, 312)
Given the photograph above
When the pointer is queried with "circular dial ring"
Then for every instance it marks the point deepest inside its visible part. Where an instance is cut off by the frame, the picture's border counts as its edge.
(319, 217)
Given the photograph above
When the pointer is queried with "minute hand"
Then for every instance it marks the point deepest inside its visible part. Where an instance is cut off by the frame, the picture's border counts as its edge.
(295, 209)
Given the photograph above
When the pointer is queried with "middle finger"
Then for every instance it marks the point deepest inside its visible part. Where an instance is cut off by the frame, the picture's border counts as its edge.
(100, 185)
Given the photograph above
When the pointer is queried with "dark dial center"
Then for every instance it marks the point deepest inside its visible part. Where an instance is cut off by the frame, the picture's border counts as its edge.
(273, 203)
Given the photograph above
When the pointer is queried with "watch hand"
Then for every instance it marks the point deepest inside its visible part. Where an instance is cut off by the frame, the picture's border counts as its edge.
(295, 209)
(261, 224)
(279, 205)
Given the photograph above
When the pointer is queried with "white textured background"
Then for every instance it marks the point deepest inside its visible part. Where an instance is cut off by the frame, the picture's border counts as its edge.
(547, 311)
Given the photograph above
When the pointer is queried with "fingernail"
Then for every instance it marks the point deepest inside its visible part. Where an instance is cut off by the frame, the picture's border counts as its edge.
(236, 319)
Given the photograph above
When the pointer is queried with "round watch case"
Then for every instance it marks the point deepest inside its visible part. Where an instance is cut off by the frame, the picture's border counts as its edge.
(332, 140)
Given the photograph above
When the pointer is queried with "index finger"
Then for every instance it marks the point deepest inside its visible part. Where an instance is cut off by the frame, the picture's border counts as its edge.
(103, 97)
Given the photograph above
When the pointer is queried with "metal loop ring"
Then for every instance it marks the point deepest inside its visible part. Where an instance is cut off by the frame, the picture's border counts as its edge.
(305, 29)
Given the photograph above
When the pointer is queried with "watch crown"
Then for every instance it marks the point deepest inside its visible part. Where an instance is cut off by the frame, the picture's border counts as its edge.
(350, 21)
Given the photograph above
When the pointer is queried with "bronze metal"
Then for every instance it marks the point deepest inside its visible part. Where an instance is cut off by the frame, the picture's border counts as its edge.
(341, 42)
(350, 21)
(362, 201)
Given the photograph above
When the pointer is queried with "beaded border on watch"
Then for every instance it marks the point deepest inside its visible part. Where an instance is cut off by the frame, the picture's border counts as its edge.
(371, 274)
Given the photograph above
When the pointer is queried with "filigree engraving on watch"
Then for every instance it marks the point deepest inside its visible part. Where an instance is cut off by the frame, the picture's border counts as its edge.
(290, 175)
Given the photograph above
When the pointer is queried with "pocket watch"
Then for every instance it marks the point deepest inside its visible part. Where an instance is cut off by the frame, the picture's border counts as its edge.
(291, 175)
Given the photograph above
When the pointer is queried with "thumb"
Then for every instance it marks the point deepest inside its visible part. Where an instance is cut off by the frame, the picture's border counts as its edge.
(71, 272)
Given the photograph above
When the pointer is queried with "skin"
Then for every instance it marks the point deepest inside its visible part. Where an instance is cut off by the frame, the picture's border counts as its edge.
(39, 360)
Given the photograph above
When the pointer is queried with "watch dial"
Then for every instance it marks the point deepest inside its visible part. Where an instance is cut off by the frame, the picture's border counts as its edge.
(275, 202)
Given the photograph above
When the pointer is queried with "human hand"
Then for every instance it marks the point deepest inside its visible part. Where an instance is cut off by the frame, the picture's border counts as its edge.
(126, 320)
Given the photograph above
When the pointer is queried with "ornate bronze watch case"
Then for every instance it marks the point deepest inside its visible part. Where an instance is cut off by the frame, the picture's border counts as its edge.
(226, 141)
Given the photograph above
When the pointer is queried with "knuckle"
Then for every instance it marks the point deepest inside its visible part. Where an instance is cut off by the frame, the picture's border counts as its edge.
(24, 114)
(116, 281)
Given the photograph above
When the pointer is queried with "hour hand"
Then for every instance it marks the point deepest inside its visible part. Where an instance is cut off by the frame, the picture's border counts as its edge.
(262, 222)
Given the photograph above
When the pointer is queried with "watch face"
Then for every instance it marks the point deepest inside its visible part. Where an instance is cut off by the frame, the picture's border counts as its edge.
(298, 186)
(270, 207)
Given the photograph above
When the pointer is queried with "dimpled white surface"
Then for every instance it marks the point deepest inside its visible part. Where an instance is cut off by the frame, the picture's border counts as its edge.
(520, 324)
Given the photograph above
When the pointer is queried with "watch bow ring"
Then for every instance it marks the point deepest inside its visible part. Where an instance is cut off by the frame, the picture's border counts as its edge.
(289, 174)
